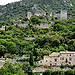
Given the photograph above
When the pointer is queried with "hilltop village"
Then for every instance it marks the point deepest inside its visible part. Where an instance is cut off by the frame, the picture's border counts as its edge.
(39, 42)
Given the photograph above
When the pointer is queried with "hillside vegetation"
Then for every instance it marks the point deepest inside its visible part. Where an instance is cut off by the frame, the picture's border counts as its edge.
(19, 9)
(38, 41)
(31, 43)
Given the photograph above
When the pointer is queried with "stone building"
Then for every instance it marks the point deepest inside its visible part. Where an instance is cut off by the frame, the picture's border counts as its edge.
(37, 13)
(29, 14)
(62, 58)
(3, 28)
(57, 16)
(62, 15)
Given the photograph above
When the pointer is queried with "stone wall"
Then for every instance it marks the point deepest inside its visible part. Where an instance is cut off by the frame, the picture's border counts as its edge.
(22, 24)
(42, 69)
(43, 25)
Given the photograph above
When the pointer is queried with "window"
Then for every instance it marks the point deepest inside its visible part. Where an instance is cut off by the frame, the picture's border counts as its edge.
(55, 63)
(66, 61)
(50, 64)
(40, 61)
(70, 54)
(46, 60)
(69, 62)
(63, 58)
(55, 60)
(70, 59)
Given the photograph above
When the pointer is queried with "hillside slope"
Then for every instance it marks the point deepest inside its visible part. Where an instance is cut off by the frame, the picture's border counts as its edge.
(19, 9)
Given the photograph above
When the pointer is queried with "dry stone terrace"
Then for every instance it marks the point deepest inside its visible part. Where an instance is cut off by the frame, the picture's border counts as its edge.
(42, 69)
(2, 61)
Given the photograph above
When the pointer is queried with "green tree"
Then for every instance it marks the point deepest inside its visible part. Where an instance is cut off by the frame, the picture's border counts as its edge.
(62, 66)
(35, 20)
(27, 68)
(70, 72)
(47, 72)
(31, 60)
(2, 50)
(52, 19)
(4, 23)
(20, 72)
(7, 69)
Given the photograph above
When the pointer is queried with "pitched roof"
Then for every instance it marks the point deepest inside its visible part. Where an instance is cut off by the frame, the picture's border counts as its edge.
(62, 52)
(55, 54)
(67, 52)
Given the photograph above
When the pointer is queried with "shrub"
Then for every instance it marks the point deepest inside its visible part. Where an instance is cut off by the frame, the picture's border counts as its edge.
(47, 72)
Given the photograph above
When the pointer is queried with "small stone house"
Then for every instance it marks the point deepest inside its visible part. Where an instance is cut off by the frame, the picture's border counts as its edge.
(62, 58)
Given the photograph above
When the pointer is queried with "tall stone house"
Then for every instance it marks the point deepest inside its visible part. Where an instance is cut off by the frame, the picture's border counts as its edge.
(62, 15)
(29, 14)
(62, 58)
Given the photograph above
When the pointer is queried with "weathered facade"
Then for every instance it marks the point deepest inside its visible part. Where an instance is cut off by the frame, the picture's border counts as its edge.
(38, 13)
(61, 58)
(62, 15)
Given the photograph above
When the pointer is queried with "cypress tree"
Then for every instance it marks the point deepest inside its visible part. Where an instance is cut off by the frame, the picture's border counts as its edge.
(31, 60)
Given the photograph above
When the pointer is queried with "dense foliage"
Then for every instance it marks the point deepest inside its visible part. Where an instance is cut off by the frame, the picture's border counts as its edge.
(16, 69)
(68, 72)
(34, 42)
(38, 41)
(26, 69)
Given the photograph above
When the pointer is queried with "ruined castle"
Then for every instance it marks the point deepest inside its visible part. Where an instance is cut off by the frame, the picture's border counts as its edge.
(62, 15)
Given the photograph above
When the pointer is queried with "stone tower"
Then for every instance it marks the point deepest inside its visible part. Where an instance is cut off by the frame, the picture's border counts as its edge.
(29, 14)
(63, 15)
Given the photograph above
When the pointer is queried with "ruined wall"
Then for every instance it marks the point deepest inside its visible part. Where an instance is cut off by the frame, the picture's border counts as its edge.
(63, 15)
(29, 14)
